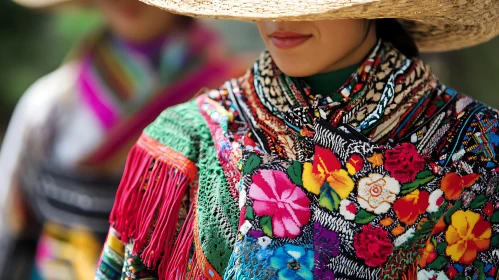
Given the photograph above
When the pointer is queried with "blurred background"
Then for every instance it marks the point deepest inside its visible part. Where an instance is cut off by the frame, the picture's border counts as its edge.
(33, 43)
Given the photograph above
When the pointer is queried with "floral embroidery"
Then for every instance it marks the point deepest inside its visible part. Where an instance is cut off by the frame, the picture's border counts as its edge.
(428, 255)
(348, 209)
(376, 193)
(354, 164)
(435, 201)
(452, 184)
(326, 168)
(404, 163)
(293, 262)
(373, 245)
(467, 235)
(376, 160)
(411, 206)
(274, 195)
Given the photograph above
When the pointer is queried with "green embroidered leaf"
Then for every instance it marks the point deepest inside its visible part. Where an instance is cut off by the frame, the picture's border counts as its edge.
(495, 218)
(433, 242)
(410, 187)
(478, 201)
(451, 211)
(329, 199)
(441, 247)
(363, 217)
(460, 277)
(295, 171)
(266, 225)
(250, 165)
(250, 215)
(438, 263)
(424, 174)
(494, 241)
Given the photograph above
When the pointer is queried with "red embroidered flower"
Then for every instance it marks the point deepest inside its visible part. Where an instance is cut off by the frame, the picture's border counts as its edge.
(488, 209)
(404, 163)
(373, 245)
(451, 272)
(453, 184)
(409, 207)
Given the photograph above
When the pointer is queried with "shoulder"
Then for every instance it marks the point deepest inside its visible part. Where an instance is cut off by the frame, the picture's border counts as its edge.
(46, 91)
(181, 127)
(471, 132)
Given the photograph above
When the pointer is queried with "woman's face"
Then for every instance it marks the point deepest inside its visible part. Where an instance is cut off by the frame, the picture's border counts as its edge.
(135, 21)
(303, 48)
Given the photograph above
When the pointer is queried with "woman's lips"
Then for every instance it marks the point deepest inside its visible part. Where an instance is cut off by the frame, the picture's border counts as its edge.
(287, 40)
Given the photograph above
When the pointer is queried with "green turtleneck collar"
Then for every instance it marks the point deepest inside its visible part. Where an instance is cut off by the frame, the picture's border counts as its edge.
(328, 83)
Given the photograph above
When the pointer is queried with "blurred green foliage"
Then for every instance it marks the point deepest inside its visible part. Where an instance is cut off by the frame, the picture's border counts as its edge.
(34, 43)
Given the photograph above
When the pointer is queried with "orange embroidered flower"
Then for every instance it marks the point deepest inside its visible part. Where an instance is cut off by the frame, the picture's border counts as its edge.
(326, 168)
(452, 184)
(376, 160)
(428, 255)
(468, 234)
(409, 207)
(398, 230)
(386, 222)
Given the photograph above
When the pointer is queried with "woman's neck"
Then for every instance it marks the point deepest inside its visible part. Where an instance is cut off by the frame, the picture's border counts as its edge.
(357, 54)
(328, 83)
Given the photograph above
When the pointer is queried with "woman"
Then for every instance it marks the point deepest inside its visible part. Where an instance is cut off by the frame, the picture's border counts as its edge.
(339, 155)
(67, 142)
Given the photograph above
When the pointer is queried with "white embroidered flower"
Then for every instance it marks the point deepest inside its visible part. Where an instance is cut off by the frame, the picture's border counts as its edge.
(430, 274)
(404, 237)
(348, 209)
(245, 227)
(435, 201)
(264, 241)
(376, 193)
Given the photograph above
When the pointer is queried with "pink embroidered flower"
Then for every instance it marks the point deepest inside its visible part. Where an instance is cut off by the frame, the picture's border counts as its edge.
(274, 195)
(373, 245)
(404, 163)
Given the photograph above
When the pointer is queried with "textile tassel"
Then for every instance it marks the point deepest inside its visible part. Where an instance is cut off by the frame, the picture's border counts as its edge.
(147, 207)
(176, 268)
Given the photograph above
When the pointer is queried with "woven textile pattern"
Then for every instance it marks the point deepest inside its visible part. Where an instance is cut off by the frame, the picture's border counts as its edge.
(394, 176)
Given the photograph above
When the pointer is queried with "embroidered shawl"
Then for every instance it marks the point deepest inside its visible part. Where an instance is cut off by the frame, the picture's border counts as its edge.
(394, 176)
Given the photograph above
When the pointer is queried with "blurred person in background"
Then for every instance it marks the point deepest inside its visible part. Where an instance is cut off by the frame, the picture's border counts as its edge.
(338, 155)
(65, 146)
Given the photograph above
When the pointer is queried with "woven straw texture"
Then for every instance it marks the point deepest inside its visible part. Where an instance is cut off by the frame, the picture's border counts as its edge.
(436, 25)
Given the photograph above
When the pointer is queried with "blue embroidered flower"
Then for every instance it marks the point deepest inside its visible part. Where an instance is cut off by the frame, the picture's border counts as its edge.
(293, 262)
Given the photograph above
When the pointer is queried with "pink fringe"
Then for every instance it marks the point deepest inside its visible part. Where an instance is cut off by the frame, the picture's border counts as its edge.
(146, 212)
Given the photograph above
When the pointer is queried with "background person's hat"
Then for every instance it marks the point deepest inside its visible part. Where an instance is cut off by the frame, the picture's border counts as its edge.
(43, 3)
(435, 25)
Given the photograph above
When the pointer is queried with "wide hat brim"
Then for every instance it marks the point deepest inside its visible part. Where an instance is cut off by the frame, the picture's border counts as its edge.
(38, 4)
(435, 25)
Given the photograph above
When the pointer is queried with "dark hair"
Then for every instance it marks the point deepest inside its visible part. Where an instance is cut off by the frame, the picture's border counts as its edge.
(391, 31)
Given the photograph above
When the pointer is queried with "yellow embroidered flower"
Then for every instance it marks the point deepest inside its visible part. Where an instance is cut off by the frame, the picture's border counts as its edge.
(468, 234)
(326, 168)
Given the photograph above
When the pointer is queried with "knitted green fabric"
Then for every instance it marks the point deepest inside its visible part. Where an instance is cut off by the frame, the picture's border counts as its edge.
(184, 129)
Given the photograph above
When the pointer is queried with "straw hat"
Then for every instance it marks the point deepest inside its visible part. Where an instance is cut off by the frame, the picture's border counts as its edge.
(435, 25)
